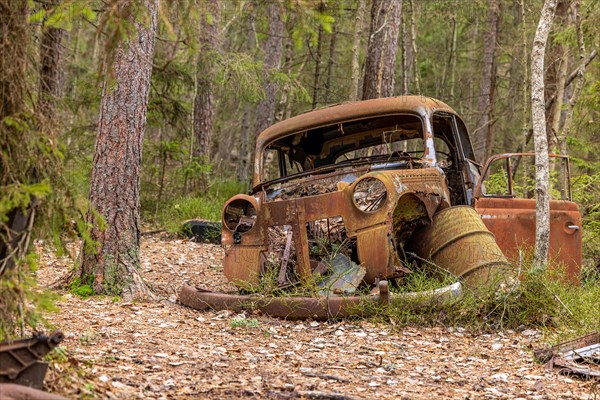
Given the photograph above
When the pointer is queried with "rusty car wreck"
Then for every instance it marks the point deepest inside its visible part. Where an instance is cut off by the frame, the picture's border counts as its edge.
(353, 196)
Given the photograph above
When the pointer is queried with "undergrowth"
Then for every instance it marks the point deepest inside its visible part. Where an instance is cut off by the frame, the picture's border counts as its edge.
(538, 299)
(206, 205)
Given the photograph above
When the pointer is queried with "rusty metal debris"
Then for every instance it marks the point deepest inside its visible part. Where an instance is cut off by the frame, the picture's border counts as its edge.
(20, 359)
(345, 276)
(458, 241)
(579, 357)
(321, 307)
(369, 190)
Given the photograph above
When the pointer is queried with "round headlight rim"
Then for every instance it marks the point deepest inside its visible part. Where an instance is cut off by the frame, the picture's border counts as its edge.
(382, 202)
(251, 201)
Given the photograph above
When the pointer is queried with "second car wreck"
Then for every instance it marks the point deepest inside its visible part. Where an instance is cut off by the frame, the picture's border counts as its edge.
(353, 196)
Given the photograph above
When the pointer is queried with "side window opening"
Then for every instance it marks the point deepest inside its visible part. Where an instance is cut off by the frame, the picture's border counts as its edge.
(465, 142)
(502, 179)
(447, 155)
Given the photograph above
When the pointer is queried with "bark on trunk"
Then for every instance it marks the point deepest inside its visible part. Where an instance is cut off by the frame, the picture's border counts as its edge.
(244, 159)
(452, 62)
(318, 56)
(355, 72)
(204, 102)
(406, 54)
(380, 64)
(413, 46)
(331, 59)
(110, 259)
(13, 50)
(538, 119)
(14, 227)
(272, 50)
(484, 133)
(50, 69)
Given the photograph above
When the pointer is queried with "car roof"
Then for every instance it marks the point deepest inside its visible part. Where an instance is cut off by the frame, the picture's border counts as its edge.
(350, 111)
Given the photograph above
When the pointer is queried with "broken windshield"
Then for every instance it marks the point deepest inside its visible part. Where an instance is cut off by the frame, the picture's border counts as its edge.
(384, 139)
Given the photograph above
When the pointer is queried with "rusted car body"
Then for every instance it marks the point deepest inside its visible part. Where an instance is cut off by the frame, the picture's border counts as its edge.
(363, 179)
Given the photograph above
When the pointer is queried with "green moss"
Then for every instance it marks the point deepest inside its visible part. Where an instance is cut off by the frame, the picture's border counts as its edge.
(82, 288)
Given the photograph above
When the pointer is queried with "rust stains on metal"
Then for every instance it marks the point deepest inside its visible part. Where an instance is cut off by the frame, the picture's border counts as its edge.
(20, 360)
(458, 241)
(318, 308)
(356, 182)
(579, 357)
(512, 220)
(370, 230)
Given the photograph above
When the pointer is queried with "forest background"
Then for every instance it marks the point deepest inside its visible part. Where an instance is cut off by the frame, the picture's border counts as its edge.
(224, 71)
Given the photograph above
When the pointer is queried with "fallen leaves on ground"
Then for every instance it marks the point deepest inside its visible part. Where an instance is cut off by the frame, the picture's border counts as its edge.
(164, 350)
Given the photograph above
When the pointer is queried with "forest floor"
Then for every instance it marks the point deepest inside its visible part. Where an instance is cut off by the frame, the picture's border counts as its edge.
(117, 349)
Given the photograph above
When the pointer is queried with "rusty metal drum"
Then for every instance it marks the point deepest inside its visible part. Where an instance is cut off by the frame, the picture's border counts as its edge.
(458, 241)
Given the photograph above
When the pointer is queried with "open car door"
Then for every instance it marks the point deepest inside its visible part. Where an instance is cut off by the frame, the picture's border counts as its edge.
(505, 199)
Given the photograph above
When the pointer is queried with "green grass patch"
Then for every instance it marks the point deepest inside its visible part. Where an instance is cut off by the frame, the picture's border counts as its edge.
(538, 299)
(206, 206)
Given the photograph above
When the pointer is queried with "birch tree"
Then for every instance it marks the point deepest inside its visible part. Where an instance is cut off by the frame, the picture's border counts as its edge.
(110, 256)
(540, 140)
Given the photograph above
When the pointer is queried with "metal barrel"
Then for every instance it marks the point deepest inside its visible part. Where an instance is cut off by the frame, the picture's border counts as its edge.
(458, 241)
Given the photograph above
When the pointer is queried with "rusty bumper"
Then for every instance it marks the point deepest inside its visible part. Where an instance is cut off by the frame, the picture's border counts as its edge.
(318, 308)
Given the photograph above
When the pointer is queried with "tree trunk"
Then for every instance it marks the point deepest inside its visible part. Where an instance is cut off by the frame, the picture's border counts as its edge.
(13, 50)
(355, 72)
(244, 158)
(331, 58)
(538, 119)
(318, 56)
(110, 258)
(406, 54)
(50, 70)
(413, 46)
(272, 50)
(380, 65)
(204, 102)
(452, 61)
(283, 106)
(484, 134)
(13, 220)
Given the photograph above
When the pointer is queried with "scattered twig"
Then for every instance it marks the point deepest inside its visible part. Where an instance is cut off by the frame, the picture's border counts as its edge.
(325, 376)
(315, 394)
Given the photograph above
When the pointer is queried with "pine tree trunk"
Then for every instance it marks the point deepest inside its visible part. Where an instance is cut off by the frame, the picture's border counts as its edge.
(538, 119)
(406, 54)
(244, 159)
(380, 67)
(204, 102)
(13, 56)
(50, 69)
(272, 50)
(355, 71)
(331, 59)
(318, 56)
(14, 222)
(484, 133)
(110, 259)
(413, 46)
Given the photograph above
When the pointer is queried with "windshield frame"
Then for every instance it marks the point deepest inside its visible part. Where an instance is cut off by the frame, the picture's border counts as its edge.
(427, 158)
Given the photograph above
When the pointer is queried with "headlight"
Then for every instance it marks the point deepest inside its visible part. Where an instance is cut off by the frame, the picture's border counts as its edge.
(239, 215)
(369, 195)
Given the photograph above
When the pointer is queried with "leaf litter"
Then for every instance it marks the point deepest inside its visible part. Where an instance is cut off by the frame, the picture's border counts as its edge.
(120, 350)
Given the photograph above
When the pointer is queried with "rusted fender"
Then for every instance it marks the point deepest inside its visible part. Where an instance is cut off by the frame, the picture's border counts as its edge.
(318, 308)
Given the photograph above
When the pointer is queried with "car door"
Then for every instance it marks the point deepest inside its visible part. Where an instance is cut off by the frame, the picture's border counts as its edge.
(505, 199)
